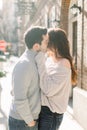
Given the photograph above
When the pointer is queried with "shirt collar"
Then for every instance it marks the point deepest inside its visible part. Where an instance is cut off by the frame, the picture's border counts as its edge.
(31, 52)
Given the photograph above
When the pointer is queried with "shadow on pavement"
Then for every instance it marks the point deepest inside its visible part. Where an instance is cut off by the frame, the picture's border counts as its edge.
(71, 102)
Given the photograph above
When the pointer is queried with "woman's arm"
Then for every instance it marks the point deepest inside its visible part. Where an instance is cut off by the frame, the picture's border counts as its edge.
(52, 79)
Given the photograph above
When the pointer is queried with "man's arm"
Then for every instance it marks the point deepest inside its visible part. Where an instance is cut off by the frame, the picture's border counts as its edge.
(21, 80)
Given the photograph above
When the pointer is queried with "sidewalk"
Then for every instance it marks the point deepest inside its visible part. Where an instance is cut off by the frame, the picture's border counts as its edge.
(5, 96)
(69, 123)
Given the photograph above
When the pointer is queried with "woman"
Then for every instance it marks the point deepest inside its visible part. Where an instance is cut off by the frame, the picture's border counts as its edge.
(57, 74)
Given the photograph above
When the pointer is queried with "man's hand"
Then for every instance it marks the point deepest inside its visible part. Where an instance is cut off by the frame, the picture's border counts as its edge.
(31, 124)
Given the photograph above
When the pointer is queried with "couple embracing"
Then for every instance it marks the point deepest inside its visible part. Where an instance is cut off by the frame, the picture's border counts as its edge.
(41, 81)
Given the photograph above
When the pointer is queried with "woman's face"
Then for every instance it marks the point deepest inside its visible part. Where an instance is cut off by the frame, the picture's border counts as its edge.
(50, 52)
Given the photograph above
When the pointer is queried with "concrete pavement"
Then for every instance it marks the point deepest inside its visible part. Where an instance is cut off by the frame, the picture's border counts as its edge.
(69, 123)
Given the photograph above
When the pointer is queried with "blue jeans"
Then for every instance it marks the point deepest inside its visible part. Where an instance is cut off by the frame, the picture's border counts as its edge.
(15, 124)
(49, 120)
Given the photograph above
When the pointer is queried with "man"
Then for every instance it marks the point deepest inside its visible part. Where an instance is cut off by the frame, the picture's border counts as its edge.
(26, 104)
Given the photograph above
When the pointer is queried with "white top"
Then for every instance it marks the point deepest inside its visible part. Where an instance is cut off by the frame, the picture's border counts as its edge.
(55, 83)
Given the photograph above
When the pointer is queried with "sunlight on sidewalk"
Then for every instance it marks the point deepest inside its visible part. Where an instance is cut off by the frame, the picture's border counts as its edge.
(69, 123)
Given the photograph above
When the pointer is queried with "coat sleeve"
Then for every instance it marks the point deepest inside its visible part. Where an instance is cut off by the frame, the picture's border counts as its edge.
(21, 80)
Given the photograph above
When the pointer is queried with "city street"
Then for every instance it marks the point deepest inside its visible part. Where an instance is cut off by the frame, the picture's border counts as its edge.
(69, 123)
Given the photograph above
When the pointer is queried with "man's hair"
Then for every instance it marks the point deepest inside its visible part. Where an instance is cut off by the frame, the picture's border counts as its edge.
(34, 35)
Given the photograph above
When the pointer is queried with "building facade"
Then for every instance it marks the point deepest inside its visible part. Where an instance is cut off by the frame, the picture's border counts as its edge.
(77, 35)
(58, 13)
(8, 24)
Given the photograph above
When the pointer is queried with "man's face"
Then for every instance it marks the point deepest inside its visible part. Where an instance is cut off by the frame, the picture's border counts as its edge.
(44, 43)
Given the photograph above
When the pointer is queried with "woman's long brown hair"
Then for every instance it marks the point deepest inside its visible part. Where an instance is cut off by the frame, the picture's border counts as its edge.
(59, 42)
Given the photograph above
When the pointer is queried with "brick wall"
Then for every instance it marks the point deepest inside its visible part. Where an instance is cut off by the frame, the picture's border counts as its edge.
(64, 14)
(82, 41)
(85, 47)
(79, 45)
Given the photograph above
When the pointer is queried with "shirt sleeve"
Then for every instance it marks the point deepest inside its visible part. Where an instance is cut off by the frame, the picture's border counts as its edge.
(21, 80)
(52, 79)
